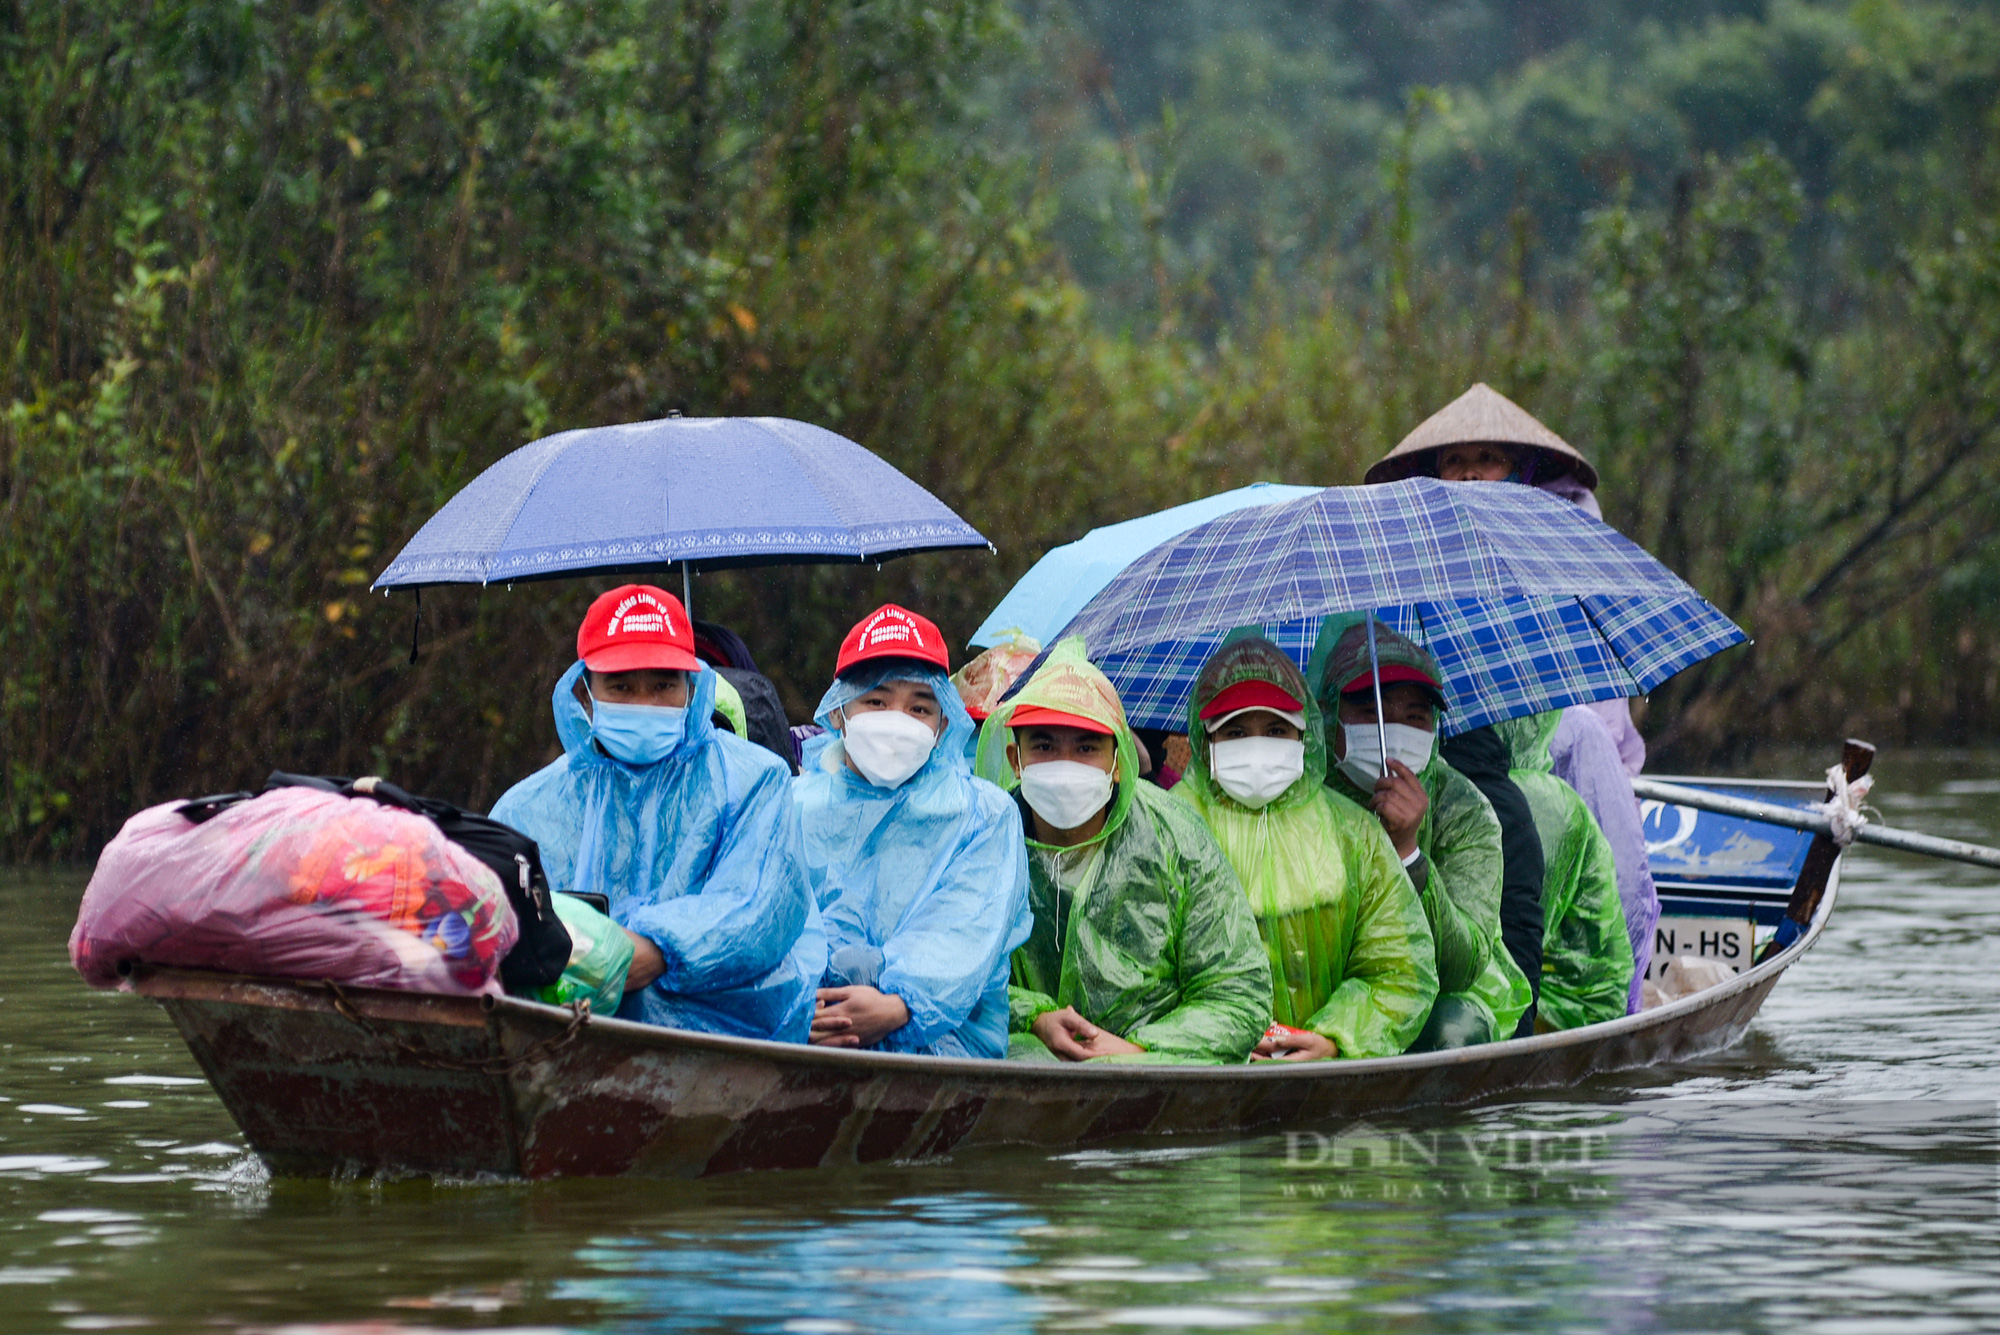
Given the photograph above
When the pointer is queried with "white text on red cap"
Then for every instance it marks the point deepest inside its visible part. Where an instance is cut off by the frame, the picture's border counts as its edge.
(659, 621)
(888, 627)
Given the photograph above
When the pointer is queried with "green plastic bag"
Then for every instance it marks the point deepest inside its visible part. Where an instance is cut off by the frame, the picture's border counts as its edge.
(599, 955)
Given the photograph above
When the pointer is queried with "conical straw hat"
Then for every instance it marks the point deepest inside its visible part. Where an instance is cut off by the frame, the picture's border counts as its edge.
(1482, 416)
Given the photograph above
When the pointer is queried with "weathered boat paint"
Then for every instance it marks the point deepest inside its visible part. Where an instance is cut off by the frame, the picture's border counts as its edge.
(325, 1081)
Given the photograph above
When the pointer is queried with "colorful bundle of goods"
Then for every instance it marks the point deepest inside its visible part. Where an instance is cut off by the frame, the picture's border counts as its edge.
(986, 678)
(295, 883)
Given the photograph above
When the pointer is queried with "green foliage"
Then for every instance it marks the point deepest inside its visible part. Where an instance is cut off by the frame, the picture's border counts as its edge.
(1738, 254)
(280, 279)
(275, 281)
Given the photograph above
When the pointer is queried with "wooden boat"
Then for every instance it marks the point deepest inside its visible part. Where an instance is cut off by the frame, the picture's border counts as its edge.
(331, 1081)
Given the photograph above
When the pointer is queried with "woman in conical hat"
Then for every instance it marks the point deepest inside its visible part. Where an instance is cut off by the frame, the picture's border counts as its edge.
(1143, 947)
(1483, 436)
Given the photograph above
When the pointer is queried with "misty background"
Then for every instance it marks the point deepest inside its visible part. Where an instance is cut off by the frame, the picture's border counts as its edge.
(275, 281)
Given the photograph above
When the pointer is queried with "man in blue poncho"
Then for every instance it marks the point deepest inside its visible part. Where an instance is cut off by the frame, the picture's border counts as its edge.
(918, 868)
(689, 831)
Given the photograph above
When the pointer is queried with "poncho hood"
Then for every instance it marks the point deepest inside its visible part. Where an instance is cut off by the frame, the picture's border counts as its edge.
(1069, 682)
(1527, 740)
(948, 756)
(573, 723)
(1254, 658)
(1340, 654)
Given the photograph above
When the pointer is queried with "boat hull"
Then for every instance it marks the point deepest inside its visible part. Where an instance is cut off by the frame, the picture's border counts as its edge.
(325, 1081)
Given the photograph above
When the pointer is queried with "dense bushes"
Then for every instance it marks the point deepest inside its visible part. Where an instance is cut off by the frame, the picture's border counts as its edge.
(276, 280)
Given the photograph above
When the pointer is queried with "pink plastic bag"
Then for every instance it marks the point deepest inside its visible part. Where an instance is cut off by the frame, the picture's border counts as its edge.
(296, 883)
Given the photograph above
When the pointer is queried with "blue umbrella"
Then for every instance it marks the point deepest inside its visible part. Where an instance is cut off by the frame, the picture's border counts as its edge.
(1057, 586)
(1528, 603)
(713, 492)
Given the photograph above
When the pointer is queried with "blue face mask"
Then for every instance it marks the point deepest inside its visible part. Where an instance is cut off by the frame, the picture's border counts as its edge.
(637, 734)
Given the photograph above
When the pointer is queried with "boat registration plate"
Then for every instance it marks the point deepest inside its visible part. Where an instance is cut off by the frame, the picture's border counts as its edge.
(1729, 940)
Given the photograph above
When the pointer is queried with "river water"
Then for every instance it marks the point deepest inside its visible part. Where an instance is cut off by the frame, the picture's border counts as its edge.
(1836, 1172)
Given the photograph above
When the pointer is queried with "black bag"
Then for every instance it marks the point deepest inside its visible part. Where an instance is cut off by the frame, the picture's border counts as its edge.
(542, 952)
(763, 712)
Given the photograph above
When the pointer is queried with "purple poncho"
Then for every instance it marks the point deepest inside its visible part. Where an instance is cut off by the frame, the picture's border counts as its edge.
(1587, 759)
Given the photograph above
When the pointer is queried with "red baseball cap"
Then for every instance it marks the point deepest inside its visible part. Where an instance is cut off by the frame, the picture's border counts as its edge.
(636, 626)
(893, 632)
(1251, 695)
(1041, 716)
(1392, 673)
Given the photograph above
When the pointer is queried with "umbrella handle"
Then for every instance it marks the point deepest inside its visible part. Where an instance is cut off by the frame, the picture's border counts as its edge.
(1375, 674)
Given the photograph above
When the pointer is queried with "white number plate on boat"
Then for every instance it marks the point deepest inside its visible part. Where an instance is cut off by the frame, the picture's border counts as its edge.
(1730, 940)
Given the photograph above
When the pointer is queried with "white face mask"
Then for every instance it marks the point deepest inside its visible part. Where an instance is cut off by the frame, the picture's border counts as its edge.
(1363, 761)
(1257, 770)
(1065, 793)
(887, 745)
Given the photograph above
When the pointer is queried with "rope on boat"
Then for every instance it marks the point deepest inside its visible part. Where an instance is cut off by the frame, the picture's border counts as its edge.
(498, 1065)
(1842, 807)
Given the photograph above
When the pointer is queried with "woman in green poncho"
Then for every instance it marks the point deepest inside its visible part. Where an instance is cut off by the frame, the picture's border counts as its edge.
(1353, 964)
(1143, 947)
(1586, 954)
(1441, 825)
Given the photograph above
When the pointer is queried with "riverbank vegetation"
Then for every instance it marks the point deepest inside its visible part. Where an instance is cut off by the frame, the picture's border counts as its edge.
(276, 281)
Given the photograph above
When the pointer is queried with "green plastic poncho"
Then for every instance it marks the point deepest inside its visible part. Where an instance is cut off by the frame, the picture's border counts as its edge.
(1156, 941)
(1586, 954)
(1352, 956)
(1459, 838)
(729, 704)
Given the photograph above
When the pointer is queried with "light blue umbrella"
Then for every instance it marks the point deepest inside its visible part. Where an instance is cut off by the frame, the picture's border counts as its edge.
(1057, 586)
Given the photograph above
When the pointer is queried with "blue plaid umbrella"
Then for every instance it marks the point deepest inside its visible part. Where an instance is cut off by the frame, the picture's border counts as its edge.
(1528, 603)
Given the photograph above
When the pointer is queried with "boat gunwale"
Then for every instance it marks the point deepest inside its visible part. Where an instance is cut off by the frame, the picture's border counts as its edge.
(164, 984)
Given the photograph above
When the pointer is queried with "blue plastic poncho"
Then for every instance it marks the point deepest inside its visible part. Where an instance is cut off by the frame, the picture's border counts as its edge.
(698, 853)
(923, 889)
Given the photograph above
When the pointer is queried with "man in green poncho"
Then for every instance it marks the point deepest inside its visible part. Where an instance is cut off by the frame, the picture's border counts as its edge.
(1442, 827)
(1353, 963)
(1142, 947)
(1586, 954)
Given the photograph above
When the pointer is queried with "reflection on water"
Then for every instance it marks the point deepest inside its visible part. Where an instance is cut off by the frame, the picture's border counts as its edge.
(1835, 1172)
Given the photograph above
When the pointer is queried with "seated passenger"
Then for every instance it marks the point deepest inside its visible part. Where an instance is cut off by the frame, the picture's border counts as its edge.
(1586, 758)
(916, 866)
(689, 831)
(1353, 964)
(1142, 940)
(1442, 827)
(1586, 953)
